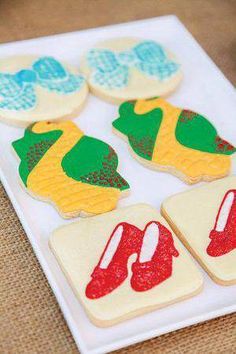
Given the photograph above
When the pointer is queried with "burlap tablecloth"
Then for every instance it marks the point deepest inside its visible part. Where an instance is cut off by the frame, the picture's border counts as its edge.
(30, 319)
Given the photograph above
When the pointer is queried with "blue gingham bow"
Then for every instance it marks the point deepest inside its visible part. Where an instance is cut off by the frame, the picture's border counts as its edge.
(111, 69)
(17, 91)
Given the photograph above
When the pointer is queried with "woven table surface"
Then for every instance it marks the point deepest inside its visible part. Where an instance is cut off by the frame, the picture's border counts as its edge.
(30, 319)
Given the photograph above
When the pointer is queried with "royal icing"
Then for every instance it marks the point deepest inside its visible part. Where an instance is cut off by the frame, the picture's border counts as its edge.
(155, 249)
(170, 138)
(150, 242)
(223, 236)
(18, 90)
(111, 69)
(224, 211)
(112, 247)
(76, 172)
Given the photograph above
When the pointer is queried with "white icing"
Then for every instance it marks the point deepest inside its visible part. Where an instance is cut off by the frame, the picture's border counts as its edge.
(112, 247)
(150, 242)
(224, 212)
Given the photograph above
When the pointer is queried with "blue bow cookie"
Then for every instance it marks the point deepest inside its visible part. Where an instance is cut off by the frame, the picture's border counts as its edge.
(17, 91)
(111, 70)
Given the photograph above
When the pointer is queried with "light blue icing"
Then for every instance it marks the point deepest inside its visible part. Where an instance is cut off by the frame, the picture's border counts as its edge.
(17, 91)
(111, 69)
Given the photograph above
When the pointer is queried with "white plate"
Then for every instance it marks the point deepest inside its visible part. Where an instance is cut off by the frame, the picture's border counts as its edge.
(204, 89)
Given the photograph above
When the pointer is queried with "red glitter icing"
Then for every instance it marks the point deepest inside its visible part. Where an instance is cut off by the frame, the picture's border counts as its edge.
(223, 144)
(223, 242)
(145, 275)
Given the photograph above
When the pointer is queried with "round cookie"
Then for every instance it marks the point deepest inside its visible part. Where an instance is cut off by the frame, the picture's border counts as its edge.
(123, 69)
(39, 88)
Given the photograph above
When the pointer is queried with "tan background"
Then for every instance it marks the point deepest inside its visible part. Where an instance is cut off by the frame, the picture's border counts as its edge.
(30, 319)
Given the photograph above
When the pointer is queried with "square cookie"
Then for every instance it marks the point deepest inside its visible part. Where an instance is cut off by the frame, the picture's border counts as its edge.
(125, 263)
(204, 219)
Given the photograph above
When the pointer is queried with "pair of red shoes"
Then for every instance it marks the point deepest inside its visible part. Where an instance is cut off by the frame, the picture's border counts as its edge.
(223, 236)
(155, 248)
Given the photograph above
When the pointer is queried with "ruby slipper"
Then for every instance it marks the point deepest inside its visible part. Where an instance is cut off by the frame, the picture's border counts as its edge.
(112, 269)
(154, 264)
(223, 236)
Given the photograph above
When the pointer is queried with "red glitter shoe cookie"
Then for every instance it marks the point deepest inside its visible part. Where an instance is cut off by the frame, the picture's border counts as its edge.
(125, 263)
(204, 219)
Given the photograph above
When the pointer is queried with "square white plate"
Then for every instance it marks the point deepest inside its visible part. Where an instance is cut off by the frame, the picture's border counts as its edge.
(204, 89)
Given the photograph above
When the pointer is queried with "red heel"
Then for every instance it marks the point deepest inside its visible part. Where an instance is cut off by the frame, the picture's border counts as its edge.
(223, 236)
(154, 264)
(112, 270)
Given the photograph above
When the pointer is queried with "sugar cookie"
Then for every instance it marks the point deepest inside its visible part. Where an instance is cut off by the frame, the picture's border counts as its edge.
(125, 263)
(204, 218)
(122, 69)
(39, 88)
(77, 173)
(170, 139)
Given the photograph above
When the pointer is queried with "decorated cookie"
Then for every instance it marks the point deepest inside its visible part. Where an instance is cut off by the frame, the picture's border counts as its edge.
(174, 140)
(39, 88)
(127, 68)
(125, 263)
(77, 173)
(205, 220)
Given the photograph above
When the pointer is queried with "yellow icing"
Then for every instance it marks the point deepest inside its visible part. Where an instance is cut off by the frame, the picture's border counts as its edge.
(169, 152)
(48, 180)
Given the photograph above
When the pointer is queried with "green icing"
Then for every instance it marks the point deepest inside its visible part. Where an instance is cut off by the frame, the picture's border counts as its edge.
(94, 162)
(141, 129)
(31, 148)
(196, 132)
